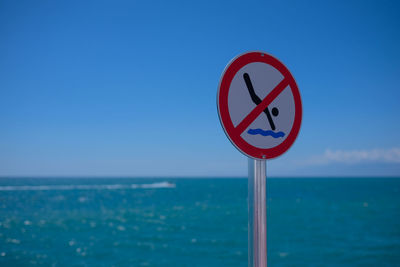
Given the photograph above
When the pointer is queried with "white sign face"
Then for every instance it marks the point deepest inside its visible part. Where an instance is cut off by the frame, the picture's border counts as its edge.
(259, 105)
(249, 87)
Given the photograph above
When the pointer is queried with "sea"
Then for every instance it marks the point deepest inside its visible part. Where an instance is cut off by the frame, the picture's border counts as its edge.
(197, 221)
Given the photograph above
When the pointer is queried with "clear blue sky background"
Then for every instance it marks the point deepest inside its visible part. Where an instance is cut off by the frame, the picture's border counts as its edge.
(129, 87)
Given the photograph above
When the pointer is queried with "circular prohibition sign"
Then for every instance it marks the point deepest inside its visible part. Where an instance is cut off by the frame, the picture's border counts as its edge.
(240, 107)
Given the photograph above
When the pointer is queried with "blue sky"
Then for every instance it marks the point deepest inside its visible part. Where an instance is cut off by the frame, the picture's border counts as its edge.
(128, 88)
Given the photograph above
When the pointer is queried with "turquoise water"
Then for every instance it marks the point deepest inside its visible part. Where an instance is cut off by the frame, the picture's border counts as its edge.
(197, 222)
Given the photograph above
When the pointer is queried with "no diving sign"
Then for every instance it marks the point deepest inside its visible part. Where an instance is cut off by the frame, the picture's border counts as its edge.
(259, 105)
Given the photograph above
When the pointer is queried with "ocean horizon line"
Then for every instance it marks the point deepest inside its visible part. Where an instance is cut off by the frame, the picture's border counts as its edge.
(190, 177)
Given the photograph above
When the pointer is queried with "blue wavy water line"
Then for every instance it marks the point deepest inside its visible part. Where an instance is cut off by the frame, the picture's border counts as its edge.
(265, 133)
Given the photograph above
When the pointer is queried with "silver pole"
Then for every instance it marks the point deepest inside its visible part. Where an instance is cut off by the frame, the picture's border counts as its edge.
(257, 214)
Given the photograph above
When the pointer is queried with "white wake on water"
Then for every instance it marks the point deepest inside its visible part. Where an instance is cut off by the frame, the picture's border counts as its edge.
(87, 187)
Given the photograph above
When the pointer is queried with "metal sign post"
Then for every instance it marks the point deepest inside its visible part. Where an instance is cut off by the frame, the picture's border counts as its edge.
(259, 106)
(257, 213)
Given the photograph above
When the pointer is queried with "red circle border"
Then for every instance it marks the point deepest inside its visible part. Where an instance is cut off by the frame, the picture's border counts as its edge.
(222, 102)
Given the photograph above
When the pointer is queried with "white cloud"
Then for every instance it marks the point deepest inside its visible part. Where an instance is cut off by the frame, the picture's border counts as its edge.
(391, 155)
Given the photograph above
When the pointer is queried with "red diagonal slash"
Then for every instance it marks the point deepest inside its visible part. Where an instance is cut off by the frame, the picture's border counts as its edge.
(260, 107)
